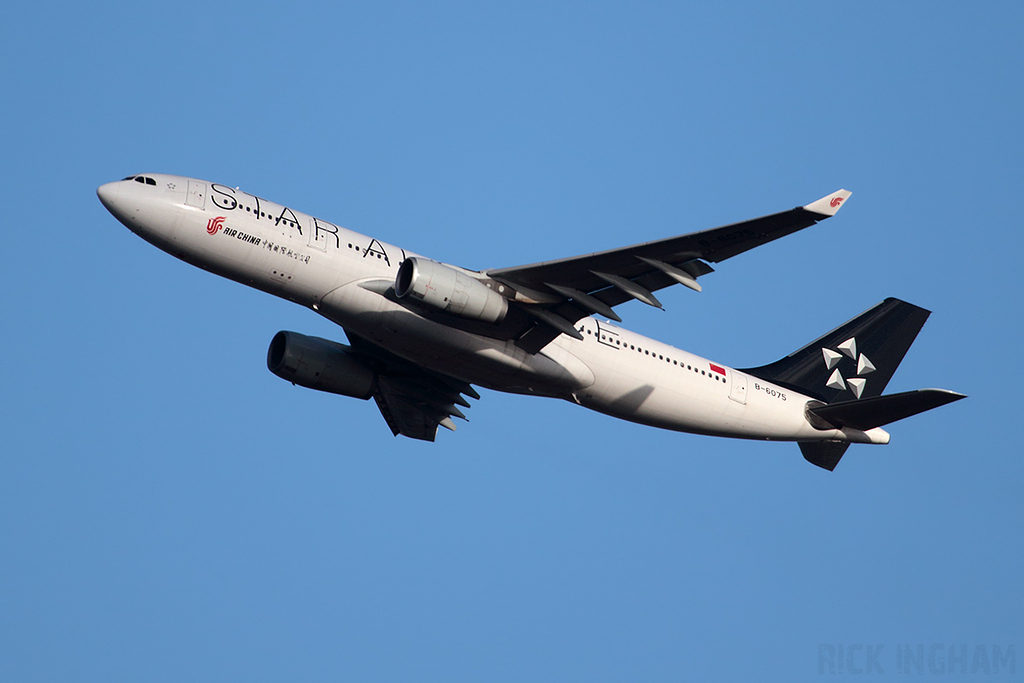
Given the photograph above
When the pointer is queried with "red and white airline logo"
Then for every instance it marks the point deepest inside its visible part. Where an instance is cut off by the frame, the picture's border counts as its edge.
(836, 201)
(214, 225)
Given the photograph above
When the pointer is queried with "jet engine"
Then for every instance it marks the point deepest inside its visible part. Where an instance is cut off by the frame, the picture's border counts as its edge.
(447, 289)
(319, 364)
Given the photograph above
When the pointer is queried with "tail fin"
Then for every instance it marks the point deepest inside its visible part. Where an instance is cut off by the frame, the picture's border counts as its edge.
(824, 454)
(847, 370)
(854, 361)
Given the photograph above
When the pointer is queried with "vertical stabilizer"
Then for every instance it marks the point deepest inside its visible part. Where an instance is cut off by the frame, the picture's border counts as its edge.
(856, 360)
(824, 454)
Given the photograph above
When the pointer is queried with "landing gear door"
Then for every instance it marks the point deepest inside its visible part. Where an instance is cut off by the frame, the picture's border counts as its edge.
(738, 387)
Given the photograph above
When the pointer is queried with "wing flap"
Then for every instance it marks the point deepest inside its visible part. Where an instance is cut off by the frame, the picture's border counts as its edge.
(414, 401)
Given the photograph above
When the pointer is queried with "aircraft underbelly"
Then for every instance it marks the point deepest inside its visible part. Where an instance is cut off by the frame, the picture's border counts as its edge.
(483, 361)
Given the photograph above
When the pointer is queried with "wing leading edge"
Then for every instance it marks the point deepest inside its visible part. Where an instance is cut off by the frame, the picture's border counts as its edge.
(572, 288)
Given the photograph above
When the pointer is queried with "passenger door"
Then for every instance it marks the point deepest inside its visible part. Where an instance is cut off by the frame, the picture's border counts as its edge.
(196, 194)
(738, 387)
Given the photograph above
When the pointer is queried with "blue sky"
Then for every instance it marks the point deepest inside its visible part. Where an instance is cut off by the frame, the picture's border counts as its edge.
(169, 510)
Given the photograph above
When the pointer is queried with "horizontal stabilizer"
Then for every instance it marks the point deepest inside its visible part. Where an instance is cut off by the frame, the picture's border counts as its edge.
(869, 413)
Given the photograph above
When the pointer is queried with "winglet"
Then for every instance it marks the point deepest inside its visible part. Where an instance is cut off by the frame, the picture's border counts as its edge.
(828, 206)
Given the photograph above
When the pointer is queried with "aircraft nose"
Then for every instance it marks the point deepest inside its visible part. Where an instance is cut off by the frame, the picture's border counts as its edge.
(118, 200)
(108, 194)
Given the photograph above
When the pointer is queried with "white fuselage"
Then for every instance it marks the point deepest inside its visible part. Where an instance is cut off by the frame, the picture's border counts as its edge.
(340, 273)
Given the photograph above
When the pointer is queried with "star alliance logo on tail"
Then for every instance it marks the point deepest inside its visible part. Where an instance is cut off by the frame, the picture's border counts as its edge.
(864, 366)
(214, 225)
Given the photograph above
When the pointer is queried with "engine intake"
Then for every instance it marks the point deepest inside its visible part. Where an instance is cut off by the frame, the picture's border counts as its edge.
(447, 289)
(319, 364)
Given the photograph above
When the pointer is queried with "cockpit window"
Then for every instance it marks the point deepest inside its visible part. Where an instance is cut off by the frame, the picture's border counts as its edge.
(150, 181)
(131, 177)
(142, 179)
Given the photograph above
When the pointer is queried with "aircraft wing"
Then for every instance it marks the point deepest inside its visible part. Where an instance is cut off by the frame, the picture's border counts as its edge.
(414, 401)
(559, 293)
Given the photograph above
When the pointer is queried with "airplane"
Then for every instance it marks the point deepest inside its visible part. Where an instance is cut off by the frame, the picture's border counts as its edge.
(422, 333)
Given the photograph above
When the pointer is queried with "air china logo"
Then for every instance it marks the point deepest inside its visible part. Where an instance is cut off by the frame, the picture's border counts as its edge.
(836, 201)
(214, 225)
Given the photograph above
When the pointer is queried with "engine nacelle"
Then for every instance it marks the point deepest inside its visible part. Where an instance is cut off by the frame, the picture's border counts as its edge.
(319, 364)
(449, 290)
